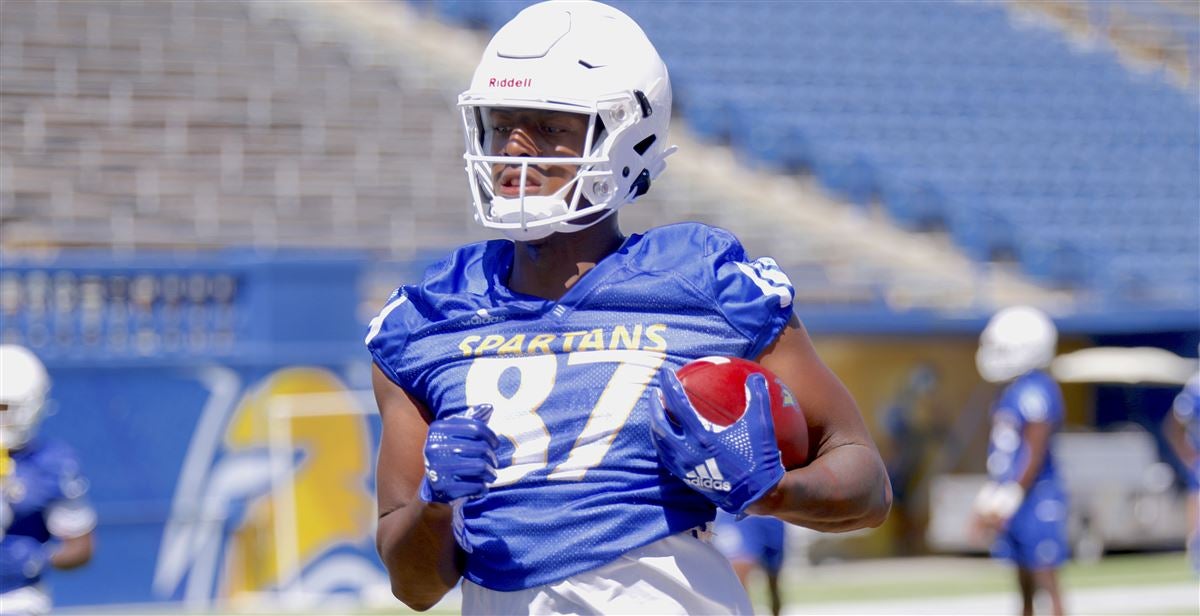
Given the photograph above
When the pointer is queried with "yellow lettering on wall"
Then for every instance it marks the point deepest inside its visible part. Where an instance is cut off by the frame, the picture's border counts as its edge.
(654, 333)
(541, 344)
(327, 502)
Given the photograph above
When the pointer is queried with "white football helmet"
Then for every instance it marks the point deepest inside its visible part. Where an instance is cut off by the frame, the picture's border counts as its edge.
(1015, 341)
(23, 388)
(579, 57)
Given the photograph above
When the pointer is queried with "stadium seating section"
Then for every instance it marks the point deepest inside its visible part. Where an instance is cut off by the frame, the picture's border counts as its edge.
(180, 124)
(954, 116)
(132, 125)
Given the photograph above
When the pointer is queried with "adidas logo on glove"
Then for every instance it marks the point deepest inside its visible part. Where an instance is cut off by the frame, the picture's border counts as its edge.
(708, 477)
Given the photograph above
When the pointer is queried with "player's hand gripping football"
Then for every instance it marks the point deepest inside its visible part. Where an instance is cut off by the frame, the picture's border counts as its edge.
(733, 466)
(460, 457)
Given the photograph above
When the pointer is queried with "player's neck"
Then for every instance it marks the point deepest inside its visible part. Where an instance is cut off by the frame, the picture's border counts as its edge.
(549, 268)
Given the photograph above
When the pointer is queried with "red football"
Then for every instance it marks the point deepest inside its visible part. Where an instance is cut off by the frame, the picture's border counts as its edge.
(716, 387)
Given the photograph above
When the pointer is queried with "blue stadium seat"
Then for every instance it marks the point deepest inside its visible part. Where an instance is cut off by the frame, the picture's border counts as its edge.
(1018, 144)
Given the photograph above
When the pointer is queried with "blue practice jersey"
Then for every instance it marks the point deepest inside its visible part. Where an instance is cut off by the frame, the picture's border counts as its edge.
(1035, 536)
(45, 498)
(1033, 397)
(758, 539)
(570, 381)
(1187, 410)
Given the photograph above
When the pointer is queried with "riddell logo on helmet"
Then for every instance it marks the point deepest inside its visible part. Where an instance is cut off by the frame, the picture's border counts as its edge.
(510, 82)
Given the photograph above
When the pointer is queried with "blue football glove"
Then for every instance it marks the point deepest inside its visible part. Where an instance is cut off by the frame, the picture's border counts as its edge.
(460, 457)
(733, 466)
(23, 556)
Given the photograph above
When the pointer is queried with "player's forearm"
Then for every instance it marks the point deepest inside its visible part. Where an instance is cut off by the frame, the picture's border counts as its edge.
(1029, 474)
(1177, 439)
(1037, 435)
(417, 546)
(845, 489)
(74, 552)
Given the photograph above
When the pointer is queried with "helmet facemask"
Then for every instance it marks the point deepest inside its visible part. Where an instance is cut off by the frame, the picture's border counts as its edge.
(597, 187)
(585, 58)
(19, 422)
(23, 388)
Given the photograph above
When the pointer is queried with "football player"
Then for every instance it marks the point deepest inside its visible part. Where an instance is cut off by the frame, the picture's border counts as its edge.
(524, 383)
(1182, 428)
(1024, 505)
(44, 515)
(755, 541)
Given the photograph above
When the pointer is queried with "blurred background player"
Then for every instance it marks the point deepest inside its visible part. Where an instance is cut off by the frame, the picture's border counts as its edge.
(1182, 429)
(909, 427)
(526, 368)
(1024, 505)
(44, 517)
(754, 542)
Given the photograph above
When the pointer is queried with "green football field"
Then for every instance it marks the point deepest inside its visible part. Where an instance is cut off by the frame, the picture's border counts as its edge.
(856, 582)
(937, 576)
(1132, 585)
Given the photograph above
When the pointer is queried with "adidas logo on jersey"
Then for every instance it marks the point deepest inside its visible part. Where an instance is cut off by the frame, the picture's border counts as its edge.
(483, 318)
(708, 477)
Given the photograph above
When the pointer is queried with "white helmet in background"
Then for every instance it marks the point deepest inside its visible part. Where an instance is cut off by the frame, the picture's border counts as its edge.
(23, 388)
(1015, 341)
(579, 57)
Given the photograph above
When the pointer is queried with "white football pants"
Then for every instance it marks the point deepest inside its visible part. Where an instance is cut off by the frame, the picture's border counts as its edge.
(25, 601)
(680, 574)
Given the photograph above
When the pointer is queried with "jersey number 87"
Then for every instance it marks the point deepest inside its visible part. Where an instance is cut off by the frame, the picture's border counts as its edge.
(515, 415)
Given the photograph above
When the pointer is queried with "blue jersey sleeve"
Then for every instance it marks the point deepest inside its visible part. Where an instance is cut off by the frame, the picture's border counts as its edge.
(754, 295)
(71, 482)
(451, 287)
(1038, 399)
(1187, 403)
(68, 512)
(388, 334)
(1033, 398)
(1034, 404)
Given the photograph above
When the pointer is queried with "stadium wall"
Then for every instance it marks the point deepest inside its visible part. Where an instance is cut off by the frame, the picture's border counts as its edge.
(169, 371)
